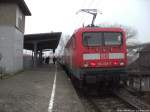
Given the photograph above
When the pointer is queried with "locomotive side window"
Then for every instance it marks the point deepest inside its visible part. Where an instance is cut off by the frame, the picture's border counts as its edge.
(92, 38)
(111, 38)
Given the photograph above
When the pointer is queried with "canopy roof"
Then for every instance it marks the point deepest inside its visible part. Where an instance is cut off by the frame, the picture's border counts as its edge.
(43, 41)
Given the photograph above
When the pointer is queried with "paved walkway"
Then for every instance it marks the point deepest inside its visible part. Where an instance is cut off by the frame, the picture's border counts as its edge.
(36, 91)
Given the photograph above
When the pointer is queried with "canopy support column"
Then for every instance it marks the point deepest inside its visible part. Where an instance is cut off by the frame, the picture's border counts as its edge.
(35, 54)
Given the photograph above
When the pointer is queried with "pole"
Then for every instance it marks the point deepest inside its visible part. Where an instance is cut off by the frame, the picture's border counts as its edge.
(35, 54)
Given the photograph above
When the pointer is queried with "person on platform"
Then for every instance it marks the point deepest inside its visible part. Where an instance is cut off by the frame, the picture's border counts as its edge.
(54, 59)
(47, 60)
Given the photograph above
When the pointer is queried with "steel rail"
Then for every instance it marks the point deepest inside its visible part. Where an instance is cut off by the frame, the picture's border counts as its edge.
(132, 100)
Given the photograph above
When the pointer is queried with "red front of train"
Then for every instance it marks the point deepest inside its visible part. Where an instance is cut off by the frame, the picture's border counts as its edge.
(93, 53)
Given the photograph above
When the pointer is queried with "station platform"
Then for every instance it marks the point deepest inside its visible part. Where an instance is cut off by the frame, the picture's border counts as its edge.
(44, 89)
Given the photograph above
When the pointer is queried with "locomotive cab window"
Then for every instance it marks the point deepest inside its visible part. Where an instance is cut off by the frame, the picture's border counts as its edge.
(112, 38)
(102, 38)
(92, 38)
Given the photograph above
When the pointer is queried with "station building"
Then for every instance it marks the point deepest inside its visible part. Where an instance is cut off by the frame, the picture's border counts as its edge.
(12, 25)
(13, 40)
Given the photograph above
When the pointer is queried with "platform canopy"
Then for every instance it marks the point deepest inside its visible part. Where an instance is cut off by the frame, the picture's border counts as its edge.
(21, 4)
(42, 41)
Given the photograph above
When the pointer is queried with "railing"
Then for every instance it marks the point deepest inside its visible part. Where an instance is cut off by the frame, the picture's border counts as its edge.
(139, 73)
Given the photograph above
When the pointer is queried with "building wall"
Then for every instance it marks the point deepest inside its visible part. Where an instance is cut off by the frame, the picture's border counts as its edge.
(27, 61)
(11, 48)
(7, 14)
(12, 23)
(11, 14)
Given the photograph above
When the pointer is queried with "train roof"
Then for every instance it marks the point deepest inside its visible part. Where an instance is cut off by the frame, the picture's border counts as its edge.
(83, 29)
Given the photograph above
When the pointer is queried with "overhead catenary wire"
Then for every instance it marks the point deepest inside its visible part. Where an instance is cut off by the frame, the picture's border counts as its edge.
(88, 4)
(93, 12)
(85, 5)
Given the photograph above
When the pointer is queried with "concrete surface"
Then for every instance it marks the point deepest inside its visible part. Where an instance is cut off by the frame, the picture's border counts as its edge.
(66, 99)
(30, 91)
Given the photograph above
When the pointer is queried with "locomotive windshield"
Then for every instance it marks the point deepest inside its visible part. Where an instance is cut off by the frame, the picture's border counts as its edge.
(102, 38)
(112, 38)
(92, 39)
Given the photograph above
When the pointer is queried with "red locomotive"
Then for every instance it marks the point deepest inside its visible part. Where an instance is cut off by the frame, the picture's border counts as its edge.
(94, 54)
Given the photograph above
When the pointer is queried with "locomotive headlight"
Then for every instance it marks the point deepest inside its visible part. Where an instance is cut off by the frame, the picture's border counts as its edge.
(86, 65)
(122, 63)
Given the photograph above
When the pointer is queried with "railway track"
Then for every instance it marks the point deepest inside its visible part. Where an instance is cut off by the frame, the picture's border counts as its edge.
(106, 104)
(118, 101)
(132, 100)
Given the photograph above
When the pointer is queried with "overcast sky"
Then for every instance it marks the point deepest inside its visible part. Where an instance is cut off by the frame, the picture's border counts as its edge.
(60, 15)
